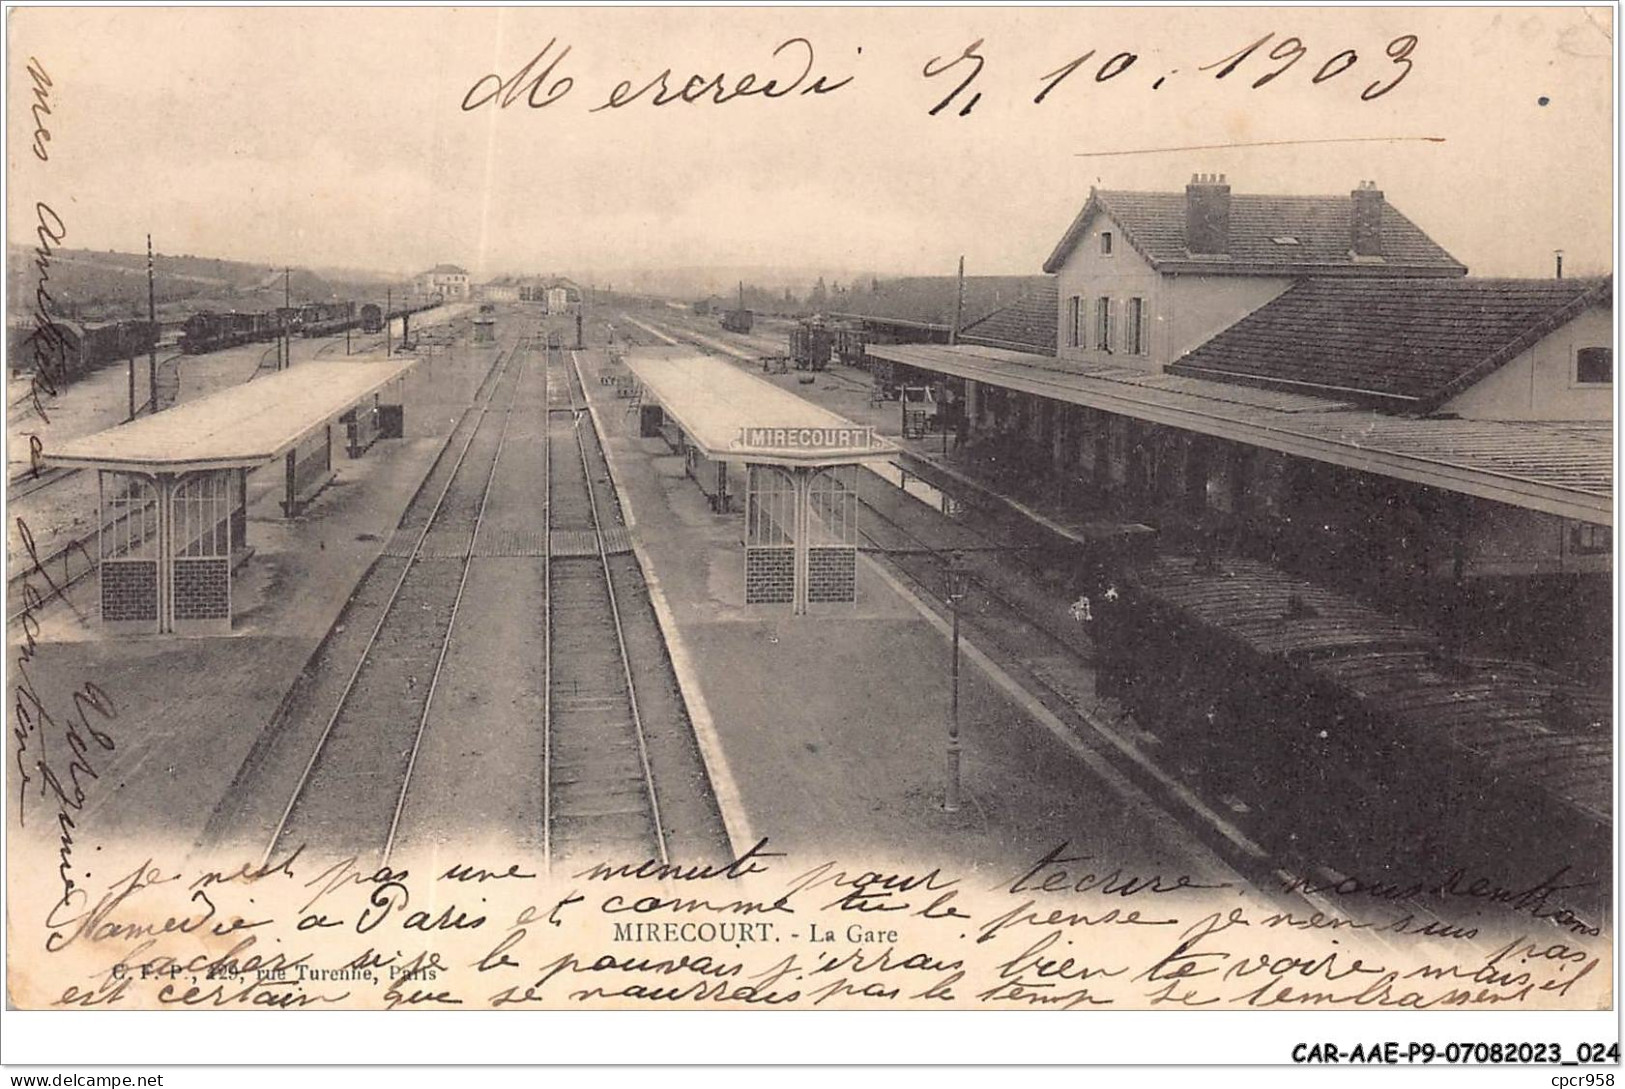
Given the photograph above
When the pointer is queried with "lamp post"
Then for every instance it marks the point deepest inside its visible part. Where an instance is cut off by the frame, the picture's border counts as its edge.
(956, 591)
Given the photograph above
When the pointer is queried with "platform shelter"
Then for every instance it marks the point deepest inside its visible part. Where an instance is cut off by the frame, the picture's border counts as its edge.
(173, 487)
(801, 466)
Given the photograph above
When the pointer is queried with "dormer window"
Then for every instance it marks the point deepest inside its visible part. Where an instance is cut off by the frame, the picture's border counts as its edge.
(1105, 243)
(1594, 367)
(1285, 240)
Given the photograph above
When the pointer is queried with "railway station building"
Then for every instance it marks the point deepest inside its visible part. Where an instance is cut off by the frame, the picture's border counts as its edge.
(448, 281)
(173, 487)
(1313, 382)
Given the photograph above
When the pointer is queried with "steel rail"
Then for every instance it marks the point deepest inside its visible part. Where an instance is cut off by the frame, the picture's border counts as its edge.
(614, 607)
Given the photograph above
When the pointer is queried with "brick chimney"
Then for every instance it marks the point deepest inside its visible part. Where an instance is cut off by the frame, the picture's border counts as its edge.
(1365, 231)
(1207, 214)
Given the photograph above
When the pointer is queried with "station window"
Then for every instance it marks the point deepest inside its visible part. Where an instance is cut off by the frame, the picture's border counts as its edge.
(1134, 339)
(1103, 324)
(1588, 539)
(1105, 243)
(1074, 322)
(1594, 366)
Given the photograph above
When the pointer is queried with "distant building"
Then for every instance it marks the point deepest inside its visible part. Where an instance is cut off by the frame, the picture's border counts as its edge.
(557, 294)
(448, 281)
(502, 289)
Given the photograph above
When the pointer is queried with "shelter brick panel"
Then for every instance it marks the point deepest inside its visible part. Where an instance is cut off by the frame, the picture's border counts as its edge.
(769, 576)
(202, 589)
(832, 575)
(129, 590)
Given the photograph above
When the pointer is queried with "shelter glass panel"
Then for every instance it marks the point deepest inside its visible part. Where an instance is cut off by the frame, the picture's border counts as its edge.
(130, 516)
(832, 534)
(770, 507)
(770, 520)
(128, 547)
(202, 508)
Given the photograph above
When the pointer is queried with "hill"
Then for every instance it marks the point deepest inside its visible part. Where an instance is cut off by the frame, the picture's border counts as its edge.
(92, 285)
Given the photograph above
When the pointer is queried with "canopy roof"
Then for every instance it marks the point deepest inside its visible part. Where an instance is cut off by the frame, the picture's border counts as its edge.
(733, 415)
(242, 426)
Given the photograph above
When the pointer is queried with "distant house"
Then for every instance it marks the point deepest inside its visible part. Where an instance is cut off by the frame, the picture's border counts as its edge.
(502, 289)
(448, 281)
(1144, 277)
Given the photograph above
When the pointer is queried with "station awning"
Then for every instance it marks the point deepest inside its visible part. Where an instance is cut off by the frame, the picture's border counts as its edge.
(1565, 469)
(240, 427)
(731, 415)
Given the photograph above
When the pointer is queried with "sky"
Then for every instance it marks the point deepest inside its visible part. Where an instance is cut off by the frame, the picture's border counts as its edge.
(338, 137)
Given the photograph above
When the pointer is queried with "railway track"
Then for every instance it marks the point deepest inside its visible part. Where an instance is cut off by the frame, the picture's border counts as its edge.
(29, 483)
(993, 603)
(394, 737)
(355, 781)
(599, 790)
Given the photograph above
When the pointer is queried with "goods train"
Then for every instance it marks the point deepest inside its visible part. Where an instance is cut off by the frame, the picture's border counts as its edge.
(207, 331)
(1249, 672)
(325, 319)
(816, 342)
(210, 331)
(71, 349)
(810, 343)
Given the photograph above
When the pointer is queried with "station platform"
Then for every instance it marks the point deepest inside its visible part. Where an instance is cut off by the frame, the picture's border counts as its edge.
(827, 732)
(188, 710)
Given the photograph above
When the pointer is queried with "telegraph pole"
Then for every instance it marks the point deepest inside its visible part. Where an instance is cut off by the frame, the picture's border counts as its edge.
(287, 329)
(152, 353)
(959, 303)
(389, 305)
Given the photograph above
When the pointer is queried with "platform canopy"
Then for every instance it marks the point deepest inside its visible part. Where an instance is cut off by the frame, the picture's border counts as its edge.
(731, 415)
(240, 427)
(1560, 468)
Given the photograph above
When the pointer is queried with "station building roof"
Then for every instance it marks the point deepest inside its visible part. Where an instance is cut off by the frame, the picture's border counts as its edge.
(1315, 230)
(1402, 344)
(1565, 469)
(240, 427)
(732, 415)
